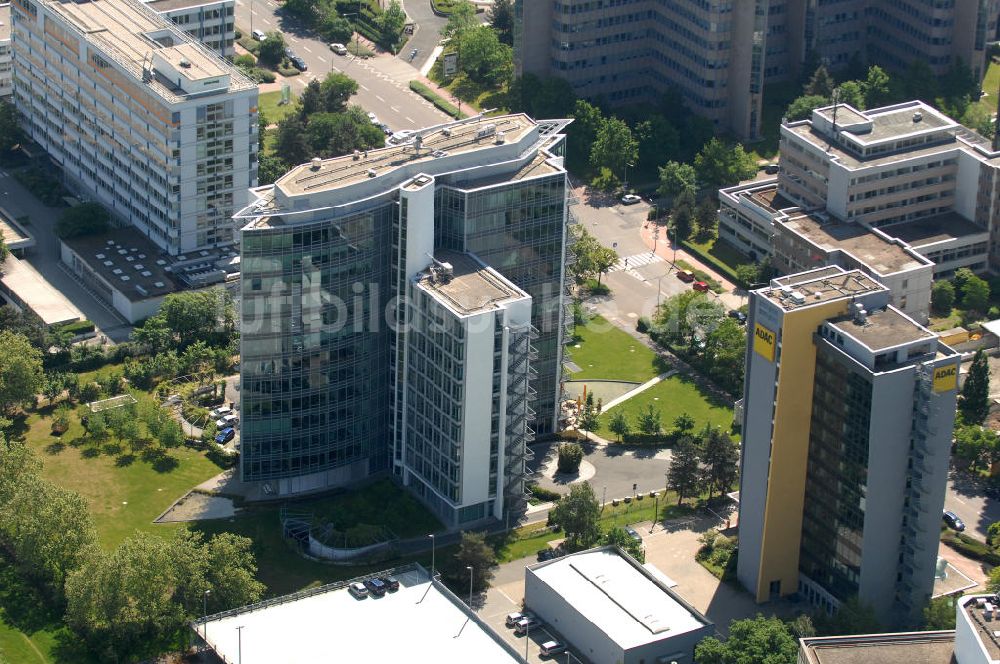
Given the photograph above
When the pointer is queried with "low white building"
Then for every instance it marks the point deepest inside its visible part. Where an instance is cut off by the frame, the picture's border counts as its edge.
(612, 609)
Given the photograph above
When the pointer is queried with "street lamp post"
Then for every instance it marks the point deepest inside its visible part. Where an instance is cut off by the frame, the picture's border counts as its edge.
(527, 629)
(239, 644)
(469, 567)
(204, 612)
(625, 185)
(432, 554)
(656, 511)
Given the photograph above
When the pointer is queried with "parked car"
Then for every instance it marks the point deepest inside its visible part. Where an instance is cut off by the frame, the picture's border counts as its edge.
(740, 317)
(221, 411)
(375, 587)
(373, 118)
(299, 63)
(631, 199)
(358, 590)
(524, 624)
(771, 169)
(225, 435)
(227, 421)
(953, 521)
(391, 583)
(700, 286)
(289, 53)
(339, 49)
(631, 532)
(259, 35)
(513, 618)
(686, 276)
(385, 129)
(550, 648)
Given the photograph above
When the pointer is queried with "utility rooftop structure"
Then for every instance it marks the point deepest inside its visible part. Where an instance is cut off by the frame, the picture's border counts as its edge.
(459, 230)
(896, 648)
(848, 410)
(209, 21)
(422, 618)
(139, 116)
(612, 609)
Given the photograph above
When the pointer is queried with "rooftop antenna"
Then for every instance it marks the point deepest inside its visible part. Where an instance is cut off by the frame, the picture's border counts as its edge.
(836, 102)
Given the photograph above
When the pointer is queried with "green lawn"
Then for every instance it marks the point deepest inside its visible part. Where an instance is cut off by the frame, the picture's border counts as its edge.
(604, 352)
(123, 496)
(723, 252)
(673, 396)
(991, 83)
(272, 110)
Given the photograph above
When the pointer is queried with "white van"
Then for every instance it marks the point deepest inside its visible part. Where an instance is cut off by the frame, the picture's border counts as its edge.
(259, 35)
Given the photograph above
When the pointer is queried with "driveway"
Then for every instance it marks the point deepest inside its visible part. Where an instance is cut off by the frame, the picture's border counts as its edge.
(965, 497)
(426, 35)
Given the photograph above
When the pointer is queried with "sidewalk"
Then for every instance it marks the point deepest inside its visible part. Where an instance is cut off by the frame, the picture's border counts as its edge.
(665, 250)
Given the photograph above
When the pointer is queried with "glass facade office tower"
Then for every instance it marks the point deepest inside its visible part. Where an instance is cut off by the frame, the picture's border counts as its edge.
(849, 406)
(328, 253)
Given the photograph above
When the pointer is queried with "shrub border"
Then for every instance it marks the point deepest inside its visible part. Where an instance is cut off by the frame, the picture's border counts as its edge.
(439, 102)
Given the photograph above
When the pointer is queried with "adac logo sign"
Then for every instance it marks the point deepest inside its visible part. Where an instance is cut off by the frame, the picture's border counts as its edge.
(763, 342)
(945, 378)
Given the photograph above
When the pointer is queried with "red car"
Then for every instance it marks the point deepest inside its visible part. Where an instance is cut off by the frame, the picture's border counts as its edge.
(700, 286)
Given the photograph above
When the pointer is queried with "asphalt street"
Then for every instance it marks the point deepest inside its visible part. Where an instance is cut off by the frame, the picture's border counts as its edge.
(383, 80)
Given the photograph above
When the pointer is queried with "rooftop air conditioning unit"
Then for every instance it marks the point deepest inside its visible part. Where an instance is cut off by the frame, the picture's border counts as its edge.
(797, 297)
(918, 116)
(371, 172)
(357, 155)
(500, 139)
(446, 131)
(315, 163)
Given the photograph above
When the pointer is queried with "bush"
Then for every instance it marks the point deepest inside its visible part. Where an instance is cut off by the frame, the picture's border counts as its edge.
(83, 219)
(78, 327)
(970, 547)
(570, 457)
(643, 324)
(647, 439)
(543, 494)
(41, 183)
(439, 102)
(288, 71)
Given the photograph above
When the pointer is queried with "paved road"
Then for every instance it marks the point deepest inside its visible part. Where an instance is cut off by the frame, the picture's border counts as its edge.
(45, 257)
(383, 80)
(426, 35)
(965, 497)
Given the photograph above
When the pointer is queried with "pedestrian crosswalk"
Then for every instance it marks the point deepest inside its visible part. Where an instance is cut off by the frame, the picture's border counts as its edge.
(635, 260)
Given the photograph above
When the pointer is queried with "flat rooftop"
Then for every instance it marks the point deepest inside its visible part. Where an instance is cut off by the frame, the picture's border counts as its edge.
(988, 631)
(27, 285)
(628, 604)
(908, 647)
(127, 260)
(884, 329)
(770, 199)
(5, 22)
(932, 230)
(875, 251)
(129, 31)
(454, 138)
(472, 288)
(817, 286)
(14, 236)
(329, 624)
(171, 5)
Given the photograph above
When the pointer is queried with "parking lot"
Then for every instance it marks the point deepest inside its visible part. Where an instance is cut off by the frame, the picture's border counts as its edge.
(499, 603)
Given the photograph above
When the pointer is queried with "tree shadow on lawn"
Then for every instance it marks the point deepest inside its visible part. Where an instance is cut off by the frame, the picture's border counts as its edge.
(125, 460)
(55, 447)
(91, 453)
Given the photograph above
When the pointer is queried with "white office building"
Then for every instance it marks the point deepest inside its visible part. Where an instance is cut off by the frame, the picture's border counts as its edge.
(211, 22)
(139, 116)
(6, 56)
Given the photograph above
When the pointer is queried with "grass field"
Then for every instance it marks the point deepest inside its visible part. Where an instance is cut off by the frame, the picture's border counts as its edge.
(991, 84)
(123, 495)
(723, 252)
(272, 110)
(673, 396)
(604, 352)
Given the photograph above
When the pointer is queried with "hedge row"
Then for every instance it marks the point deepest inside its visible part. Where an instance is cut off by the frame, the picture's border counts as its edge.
(970, 547)
(711, 260)
(439, 102)
(78, 327)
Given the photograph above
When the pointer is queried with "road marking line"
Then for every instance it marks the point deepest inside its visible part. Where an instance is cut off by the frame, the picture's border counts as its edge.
(506, 596)
(253, 12)
(306, 49)
(410, 119)
(321, 58)
(394, 109)
(959, 500)
(365, 87)
(380, 99)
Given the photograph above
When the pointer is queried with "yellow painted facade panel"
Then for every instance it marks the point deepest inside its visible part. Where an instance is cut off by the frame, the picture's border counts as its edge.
(946, 378)
(764, 342)
(790, 447)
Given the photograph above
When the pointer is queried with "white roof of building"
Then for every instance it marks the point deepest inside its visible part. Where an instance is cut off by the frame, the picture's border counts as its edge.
(619, 597)
(333, 626)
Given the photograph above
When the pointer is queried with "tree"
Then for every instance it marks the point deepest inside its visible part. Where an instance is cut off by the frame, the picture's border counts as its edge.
(683, 424)
(721, 458)
(588, 416)
(21, 376)
(976, 294)
(475, 552)
(759, 640)
(577, 513)
(83, 219)
(821, 83)
(606, 180)
(649, 420)
(724, 352)
(684, 474)
(484, 58)
(461, 18)
(657, 137)
(201, 315)
(940, 613)
(335, 28)
(390, 24)
(291, 144)
(682, 222)
(337, 89)
(569, 458)
(614, 146)
(719, 165)
(335, 134)
(853, 617)
(19, 467)
(685, 315)
(587, 119)
(10, 127)
(272, 49)
(618, 537)
(676, 178)
(975, 403)
(501, 18)
(707, 216)
(942, 297)
(603, 259)
(619, 424)
(980, 119)
(876, 87)
(802, 627)
(591, 257)
(993, 580)
(852, 93)
(802, 107)
(548, 97)
(270, 168)
(919, 81)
